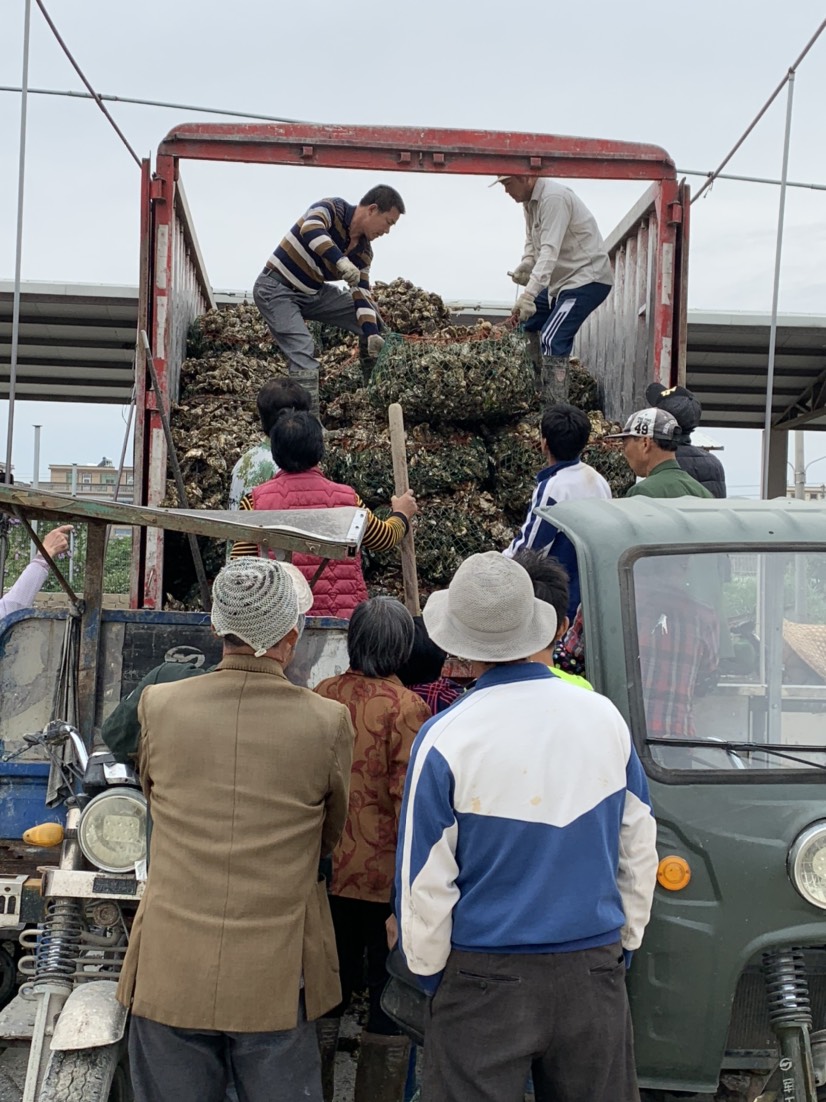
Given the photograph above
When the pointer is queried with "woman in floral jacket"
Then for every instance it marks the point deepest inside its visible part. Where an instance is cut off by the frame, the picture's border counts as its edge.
(386, 717)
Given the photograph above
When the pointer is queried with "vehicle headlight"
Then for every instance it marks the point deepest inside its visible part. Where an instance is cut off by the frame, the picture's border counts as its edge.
(807, 864)
(112, 832)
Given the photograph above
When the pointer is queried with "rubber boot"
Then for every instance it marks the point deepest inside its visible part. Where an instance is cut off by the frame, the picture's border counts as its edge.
(309, 380)
(366, 361)
(535, 353)
(381, 1073)
(327, 1030)
(555, 379)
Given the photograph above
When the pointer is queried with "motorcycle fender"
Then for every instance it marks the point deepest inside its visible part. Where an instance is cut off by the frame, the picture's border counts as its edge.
(91, 1017)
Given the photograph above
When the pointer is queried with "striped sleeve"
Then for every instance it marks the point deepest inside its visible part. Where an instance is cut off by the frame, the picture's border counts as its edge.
(315, 232)
(535, 534)
(241, 548)
(366, 314)
(383, 535)
(379, 535)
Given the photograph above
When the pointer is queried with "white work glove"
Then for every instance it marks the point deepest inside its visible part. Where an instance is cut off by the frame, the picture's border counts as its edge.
(525, 307)
(348, 271)
(521, 274)
(375, 343)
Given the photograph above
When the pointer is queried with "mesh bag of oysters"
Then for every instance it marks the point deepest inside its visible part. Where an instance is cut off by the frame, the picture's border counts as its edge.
(470, 409)
(464, 375)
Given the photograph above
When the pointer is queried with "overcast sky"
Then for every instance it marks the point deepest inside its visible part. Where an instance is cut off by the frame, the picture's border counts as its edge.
(689, 80)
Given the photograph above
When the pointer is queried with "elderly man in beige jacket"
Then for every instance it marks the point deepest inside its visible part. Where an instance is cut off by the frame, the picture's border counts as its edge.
(233, 953)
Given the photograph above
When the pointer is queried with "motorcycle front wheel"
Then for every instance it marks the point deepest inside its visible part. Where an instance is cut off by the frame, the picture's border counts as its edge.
(87, 1075)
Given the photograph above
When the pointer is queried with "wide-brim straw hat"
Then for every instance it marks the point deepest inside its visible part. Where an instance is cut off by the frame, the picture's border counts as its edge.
(808, 641)
(302, 587)
(489, 612)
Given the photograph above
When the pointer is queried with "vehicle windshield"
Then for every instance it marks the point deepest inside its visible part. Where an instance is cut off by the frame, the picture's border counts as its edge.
(731, 650)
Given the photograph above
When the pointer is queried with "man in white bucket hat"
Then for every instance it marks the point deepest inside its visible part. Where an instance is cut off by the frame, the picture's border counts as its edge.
(526, 862)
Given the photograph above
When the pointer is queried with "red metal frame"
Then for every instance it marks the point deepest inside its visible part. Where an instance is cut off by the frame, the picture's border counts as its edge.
(173, 279)
(413, 149)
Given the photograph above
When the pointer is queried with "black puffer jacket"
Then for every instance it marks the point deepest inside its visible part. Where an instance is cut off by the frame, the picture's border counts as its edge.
(705, 467)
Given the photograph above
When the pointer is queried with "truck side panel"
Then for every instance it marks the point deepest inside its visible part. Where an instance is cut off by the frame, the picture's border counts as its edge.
(178, 292)
(638, 335)
(132, 643)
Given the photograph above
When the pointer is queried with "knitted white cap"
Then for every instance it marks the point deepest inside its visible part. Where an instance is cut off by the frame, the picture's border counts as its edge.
(256, 600)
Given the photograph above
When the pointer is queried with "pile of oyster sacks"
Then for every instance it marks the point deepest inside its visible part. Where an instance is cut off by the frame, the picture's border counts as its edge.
(471, 413)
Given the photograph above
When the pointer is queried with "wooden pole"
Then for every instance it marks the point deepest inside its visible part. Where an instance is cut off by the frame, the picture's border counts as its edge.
(200, 571)
(398, 450)
(90, 629)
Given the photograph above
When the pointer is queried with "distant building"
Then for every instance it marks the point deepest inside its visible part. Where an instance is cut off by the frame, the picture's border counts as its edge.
(93, 480)
(810, 493)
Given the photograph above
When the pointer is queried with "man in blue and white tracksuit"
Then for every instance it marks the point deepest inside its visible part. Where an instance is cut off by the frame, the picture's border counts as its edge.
(565, 432)
(526, 862)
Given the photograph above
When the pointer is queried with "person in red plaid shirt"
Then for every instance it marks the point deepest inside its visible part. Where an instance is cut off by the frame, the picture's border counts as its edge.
(679, 638)
(422, 672)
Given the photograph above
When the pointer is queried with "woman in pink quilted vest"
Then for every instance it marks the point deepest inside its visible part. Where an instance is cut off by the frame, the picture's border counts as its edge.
(297, 441)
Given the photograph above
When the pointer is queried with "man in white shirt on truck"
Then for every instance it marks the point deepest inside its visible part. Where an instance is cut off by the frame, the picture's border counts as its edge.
(565, 273)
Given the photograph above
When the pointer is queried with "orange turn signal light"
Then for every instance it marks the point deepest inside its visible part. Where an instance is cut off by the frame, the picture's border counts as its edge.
(45, 835)
(673, 873)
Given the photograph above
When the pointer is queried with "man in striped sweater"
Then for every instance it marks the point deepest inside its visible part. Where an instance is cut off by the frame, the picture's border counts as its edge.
(526, 861)
(330, 242)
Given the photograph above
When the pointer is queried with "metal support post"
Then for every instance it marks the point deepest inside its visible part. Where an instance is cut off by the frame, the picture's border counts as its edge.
(72, 534)
(800, 560)
(15, 317)
(36, 477)
(781, 215)
(90, 628)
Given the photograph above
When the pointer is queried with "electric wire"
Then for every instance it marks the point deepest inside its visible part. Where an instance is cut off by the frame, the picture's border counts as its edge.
(111, 98)
(82, 76)
(254, 116)
(790, 72)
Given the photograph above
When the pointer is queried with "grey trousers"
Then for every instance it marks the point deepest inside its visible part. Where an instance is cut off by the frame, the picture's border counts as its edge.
(286, 310)
(563, 1016)
(183, 1065)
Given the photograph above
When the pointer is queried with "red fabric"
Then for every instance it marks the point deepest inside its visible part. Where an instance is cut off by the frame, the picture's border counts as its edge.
(341, 586)
(438, 694)
(679, 649)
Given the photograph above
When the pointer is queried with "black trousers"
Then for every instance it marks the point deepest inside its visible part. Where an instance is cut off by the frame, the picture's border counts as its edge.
(564, 1016)
(359, 926)
(186, 1065)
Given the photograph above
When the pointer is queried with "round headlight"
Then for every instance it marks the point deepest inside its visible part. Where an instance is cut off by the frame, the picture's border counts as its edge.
(112, 833)
(807, 864)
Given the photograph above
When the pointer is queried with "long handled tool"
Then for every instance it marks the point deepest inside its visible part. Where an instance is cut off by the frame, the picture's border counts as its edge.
(398, 450)
(200, 572)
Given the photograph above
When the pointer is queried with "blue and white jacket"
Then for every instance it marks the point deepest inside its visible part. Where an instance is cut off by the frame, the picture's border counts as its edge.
(568, 480)
(526, 825)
